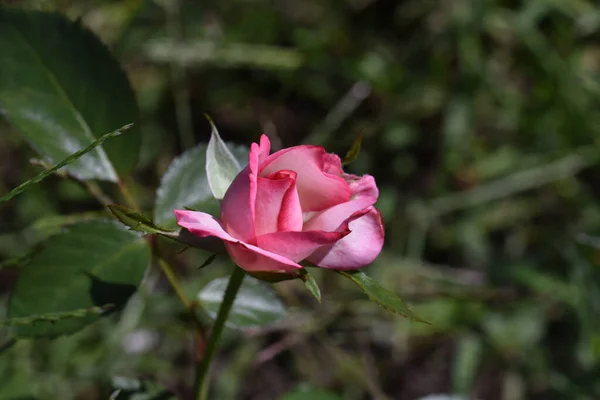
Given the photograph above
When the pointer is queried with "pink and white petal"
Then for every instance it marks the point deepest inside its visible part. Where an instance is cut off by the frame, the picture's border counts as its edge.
(365, 194)
(276, 199)
(296, 246)
(317, 189)
(357, 249)
(362, 186)
(332, 164)
(247, 256)
(237, 207)
(290, 216)
(333, 217)
(202, 224)
(254, 259)
(264, 148)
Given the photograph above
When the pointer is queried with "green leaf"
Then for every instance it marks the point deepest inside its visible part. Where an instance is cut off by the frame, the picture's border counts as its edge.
(311, 284)
(57, 316)
(135, 220)
(16, 381)
(72, 158)
(61, 88)
(240, 153)
(92, 264)
(221, 165)
(184, 185)
(256, 304)
(354, 150)
(380, 295)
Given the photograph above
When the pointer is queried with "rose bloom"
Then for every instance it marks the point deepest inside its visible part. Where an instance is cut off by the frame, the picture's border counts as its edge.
(293, 205)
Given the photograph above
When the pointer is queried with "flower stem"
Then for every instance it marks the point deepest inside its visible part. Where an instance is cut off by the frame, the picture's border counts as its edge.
(202, 368)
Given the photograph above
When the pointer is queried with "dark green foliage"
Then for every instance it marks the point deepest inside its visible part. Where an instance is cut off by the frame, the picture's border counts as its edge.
(67, 104)
(93, 264)
(480, 124)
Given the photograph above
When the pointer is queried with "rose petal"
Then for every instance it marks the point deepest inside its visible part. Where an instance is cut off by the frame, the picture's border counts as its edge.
(317, 189)
(357, 249)
(332, 164)
(361, 186)
(297, 246)
(237, 207)
(277, 205)
(364, 193)
(252, 258)
(290, 214)
(264, 148)
(247, 256)
(201, 224)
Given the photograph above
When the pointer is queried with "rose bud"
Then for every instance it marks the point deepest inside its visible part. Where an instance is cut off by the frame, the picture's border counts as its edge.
(293, 205)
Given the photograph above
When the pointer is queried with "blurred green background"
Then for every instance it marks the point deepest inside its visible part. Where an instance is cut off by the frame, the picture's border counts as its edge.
(481, 124)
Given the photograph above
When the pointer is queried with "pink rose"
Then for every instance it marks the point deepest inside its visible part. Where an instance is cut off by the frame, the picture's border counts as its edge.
(293, 205)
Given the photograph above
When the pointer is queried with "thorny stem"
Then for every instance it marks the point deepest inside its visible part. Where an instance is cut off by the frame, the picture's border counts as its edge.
(94, 190)
(172, 278)
(202, 368)
(190, 306)
(47, 172)
(90, 186)
(174, 282)
(127, 195)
